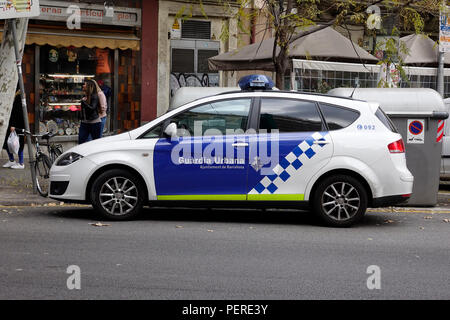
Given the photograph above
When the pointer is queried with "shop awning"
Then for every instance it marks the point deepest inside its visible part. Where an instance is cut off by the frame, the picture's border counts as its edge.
(422, 51)
(325, 44)
(67, 38)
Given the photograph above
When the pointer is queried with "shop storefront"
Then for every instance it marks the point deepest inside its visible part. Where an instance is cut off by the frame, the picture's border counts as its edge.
(422, 77)
(62, 73)
(322, 76)
(57, 60)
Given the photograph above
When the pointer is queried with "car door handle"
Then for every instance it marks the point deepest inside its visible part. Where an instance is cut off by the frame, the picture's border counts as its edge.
(240, 144)
(322, 142)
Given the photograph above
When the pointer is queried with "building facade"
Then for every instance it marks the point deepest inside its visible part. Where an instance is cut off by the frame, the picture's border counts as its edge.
(187, 37)
(59, 55)
(142, 51)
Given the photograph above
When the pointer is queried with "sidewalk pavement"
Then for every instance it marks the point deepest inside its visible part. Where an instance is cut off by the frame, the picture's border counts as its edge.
(16, 189)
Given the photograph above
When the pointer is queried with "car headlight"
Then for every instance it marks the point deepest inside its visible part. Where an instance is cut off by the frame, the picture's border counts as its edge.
(68, 159)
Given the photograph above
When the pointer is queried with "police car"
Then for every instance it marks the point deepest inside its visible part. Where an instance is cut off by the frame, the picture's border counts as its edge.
(255, 147)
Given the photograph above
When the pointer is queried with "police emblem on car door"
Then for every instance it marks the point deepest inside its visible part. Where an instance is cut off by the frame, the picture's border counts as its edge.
(292, 144)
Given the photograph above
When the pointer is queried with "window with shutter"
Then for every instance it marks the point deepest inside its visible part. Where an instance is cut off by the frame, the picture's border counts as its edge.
(203, 56)
(183, 60)
(194, 29)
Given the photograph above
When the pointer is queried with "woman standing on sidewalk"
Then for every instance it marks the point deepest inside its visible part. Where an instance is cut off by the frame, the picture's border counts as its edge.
(91, 123)
(16, 123)
(107, 93)
(103, 106)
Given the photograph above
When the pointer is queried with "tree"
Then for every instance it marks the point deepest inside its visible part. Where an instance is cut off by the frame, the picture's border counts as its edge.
(8, 72)
(293, 19)
(392, 61)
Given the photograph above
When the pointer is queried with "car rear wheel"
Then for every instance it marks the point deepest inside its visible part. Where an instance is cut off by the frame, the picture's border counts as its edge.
(340, 201)
(118, 194)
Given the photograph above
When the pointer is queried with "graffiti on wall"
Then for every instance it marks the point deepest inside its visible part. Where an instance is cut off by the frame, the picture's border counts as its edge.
(178, 80)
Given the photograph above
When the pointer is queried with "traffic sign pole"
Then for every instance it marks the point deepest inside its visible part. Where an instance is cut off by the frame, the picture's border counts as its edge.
(440, 74)
(444, 45)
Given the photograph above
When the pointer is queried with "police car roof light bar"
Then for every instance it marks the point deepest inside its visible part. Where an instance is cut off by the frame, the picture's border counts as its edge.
(256, 82)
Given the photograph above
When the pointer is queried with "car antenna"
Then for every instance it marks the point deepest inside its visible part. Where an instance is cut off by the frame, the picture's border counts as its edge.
(356, 86)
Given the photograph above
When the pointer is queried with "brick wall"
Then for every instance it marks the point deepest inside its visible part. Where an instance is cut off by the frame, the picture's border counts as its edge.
(129, 96)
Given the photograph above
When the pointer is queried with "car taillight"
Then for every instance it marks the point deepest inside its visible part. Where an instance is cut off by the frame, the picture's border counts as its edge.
(397, 147)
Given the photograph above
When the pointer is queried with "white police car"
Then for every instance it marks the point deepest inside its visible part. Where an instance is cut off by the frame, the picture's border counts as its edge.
(255, 147)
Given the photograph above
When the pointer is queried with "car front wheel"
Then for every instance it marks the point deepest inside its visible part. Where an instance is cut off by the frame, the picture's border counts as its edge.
(117, 195)
(340, 201)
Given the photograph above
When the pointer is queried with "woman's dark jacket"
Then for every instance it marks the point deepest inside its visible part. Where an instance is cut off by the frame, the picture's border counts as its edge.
(89, 112)
(16, 121)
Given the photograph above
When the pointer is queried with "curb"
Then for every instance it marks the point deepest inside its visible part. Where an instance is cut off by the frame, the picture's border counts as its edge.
(15, 192)
(21, 196)
(35, 200)
(28, 202)
(433, 210)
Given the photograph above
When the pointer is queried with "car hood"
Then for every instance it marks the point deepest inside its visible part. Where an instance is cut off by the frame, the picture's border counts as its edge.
(99, 145)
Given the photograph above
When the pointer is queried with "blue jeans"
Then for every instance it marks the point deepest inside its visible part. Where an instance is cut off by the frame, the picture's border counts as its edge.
(101, 132)
(11, 156)
(103, 124)
(89, 129)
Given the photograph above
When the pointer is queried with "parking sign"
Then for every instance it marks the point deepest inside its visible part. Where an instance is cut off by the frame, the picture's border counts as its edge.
(416, 133)
(11, 9)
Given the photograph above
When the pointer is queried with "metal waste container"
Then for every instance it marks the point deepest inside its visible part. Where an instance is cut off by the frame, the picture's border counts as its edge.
(416, 113)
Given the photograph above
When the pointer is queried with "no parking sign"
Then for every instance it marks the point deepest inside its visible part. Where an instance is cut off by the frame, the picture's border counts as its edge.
(416, 131)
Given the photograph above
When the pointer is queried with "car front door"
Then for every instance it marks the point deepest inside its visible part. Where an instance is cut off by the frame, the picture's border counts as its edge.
(292, 144)
(208, 159)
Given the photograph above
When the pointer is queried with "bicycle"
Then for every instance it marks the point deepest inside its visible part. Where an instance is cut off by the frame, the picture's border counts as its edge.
(43, 162)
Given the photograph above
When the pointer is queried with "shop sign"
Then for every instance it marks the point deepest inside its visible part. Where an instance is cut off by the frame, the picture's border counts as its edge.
(444, 30)
(394, 75)
(19, 9)
(102, 61)
(95, 14)
(176, 30)
(53, 56)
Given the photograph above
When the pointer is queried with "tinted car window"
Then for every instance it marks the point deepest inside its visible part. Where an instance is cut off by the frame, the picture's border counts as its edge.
(214, 118)
(337, 117)
(153, 133)
(385, 120)
(289, 115)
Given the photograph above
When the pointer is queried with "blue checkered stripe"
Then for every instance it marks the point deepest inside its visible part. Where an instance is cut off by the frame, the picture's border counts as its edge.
(290, 165)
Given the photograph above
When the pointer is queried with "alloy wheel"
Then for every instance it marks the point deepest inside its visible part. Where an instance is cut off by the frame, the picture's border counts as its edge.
(118, 196)
(340, 201)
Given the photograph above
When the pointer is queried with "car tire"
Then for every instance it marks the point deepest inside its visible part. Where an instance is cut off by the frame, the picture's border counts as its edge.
(118, 195)
(340, 201)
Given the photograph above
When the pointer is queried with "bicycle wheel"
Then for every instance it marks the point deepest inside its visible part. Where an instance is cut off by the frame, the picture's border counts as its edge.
(42, 167)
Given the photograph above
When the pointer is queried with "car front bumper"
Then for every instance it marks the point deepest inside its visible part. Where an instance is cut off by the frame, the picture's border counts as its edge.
(73, 179)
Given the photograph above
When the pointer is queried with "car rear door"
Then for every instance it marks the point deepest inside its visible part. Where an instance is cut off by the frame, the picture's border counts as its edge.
(291, 145)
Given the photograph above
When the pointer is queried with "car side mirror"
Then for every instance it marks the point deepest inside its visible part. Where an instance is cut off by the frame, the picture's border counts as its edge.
(171, 131)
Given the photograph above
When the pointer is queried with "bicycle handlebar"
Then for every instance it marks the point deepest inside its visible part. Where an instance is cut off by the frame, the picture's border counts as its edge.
(46, 136)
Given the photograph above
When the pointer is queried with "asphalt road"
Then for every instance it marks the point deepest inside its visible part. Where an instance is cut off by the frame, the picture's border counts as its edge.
(221, 254)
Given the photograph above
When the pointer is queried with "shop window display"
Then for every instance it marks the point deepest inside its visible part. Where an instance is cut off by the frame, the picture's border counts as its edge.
(62, 74)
